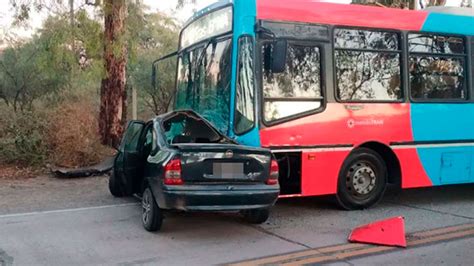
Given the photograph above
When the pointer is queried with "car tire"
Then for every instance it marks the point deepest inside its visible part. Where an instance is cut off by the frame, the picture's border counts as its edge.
(115, 188)
(362, 180)
(256, 216)
(152, 215)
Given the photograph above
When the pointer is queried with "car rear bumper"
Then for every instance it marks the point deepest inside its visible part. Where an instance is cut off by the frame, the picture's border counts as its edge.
(219, 198)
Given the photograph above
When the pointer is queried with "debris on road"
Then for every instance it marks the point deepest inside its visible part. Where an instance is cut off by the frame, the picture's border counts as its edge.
(98, 169)
(388, 232)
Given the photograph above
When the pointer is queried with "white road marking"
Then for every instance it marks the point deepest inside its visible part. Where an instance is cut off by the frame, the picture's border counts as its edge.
(67, 210)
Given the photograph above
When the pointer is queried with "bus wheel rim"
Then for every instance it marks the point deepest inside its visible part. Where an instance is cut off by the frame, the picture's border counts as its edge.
(362, 178)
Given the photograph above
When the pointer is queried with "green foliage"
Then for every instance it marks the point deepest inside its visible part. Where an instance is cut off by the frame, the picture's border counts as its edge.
(182, 3)
(22, 138)
(155, 35)
(29, 71)
(50, 62)
(63, 66)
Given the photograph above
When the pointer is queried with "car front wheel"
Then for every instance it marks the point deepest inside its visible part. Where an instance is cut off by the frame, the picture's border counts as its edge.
(152, 216)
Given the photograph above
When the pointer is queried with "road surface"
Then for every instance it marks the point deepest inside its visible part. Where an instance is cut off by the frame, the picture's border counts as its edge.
(46, 221)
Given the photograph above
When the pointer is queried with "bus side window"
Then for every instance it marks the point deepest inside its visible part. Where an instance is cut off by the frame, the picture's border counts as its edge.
(368, 65)
(297, 90)
(437, 67)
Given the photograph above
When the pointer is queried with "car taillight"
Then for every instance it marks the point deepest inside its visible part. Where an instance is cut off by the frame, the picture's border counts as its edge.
(273, 179)
(173, 173)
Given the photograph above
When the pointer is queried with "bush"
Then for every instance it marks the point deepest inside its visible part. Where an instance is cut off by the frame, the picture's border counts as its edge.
(21, 138)
(73, 134)
(64, 135)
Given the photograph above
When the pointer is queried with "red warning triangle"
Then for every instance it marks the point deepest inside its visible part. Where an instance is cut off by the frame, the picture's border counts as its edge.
(389, 232)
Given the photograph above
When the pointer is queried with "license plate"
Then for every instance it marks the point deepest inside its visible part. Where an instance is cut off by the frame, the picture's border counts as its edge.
(228, 170)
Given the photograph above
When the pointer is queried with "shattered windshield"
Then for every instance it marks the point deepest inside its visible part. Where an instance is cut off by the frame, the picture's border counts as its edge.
(203, 83)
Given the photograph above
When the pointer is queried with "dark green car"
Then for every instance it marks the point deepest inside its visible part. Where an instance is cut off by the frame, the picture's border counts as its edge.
(179, 161)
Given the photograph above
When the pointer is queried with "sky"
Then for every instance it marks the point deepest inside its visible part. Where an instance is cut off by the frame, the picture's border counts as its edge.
(167, 6)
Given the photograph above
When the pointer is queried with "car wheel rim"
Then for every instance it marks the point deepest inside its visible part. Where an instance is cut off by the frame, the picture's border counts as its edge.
(361, 179)
(146, 206)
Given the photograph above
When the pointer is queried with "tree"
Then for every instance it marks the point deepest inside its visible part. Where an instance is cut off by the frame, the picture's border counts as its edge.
(32, 70)
(112, 93)
(46, 64)
(404, 4)
(156, 36)
(116, 47)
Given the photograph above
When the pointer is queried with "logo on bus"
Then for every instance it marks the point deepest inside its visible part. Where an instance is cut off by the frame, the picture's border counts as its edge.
(351, 123)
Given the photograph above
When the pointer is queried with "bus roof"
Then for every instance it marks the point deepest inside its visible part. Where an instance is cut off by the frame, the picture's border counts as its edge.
(434, 19)
(311, 11)
(207, 9)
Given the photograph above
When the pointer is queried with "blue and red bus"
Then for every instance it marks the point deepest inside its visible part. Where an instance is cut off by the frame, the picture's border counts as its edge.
(349, 98)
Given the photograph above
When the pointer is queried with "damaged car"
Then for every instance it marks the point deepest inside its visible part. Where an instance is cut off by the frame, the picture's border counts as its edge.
(179, 161)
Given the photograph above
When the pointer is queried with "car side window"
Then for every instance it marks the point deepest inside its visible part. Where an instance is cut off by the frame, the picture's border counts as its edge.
(149, 137)
(132, 136)
(148, 141)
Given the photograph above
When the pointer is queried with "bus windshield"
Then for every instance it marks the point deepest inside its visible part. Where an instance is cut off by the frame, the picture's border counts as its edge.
(204, 71)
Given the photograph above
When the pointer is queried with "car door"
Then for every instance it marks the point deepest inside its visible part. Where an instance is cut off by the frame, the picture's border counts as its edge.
(128, 160)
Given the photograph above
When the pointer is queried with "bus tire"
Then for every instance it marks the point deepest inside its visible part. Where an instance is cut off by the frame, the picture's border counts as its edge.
(362, 180)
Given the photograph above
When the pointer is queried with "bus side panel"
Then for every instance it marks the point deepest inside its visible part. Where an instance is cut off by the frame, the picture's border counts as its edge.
(413, 172)
(447, 131)
(449, 165)
(320, 171)
(326, 139)
(349, 124)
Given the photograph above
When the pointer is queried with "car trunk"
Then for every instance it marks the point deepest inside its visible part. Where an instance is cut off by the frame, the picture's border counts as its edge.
(208, 156)
(223, 163)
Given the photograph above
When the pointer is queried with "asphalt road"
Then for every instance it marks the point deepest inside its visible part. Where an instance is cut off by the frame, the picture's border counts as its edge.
(46, 221)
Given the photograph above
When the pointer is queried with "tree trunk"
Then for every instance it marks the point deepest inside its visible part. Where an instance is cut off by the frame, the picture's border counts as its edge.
(113, 102)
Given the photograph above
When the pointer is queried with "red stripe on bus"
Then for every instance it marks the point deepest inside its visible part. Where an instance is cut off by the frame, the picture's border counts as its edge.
(340, 14)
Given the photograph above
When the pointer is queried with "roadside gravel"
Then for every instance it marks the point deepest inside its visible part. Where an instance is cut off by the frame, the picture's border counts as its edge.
(46, 192)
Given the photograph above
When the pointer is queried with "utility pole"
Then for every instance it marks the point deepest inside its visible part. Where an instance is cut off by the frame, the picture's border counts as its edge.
(134, 103)
(71, 14)
(134, 89)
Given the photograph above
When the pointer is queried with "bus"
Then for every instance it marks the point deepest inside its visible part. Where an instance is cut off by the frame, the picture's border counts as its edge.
(349, 98)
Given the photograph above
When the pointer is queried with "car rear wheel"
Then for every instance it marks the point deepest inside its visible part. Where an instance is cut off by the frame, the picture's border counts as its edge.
(362, 180)
(152, 216)
(115, 187)
(256, 216)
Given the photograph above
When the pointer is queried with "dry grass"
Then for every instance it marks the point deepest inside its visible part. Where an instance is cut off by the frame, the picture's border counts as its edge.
(73, 135)
(15, 172)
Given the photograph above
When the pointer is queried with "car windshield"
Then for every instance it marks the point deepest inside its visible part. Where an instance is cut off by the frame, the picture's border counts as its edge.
(204, 76)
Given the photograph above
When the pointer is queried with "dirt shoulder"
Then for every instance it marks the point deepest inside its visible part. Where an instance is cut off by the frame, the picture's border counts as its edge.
(47, 192)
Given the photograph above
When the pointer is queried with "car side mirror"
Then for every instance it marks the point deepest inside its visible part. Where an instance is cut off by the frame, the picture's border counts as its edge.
(278, 56)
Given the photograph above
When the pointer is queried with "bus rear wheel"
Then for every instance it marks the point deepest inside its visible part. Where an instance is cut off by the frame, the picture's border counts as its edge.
(362, 180)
